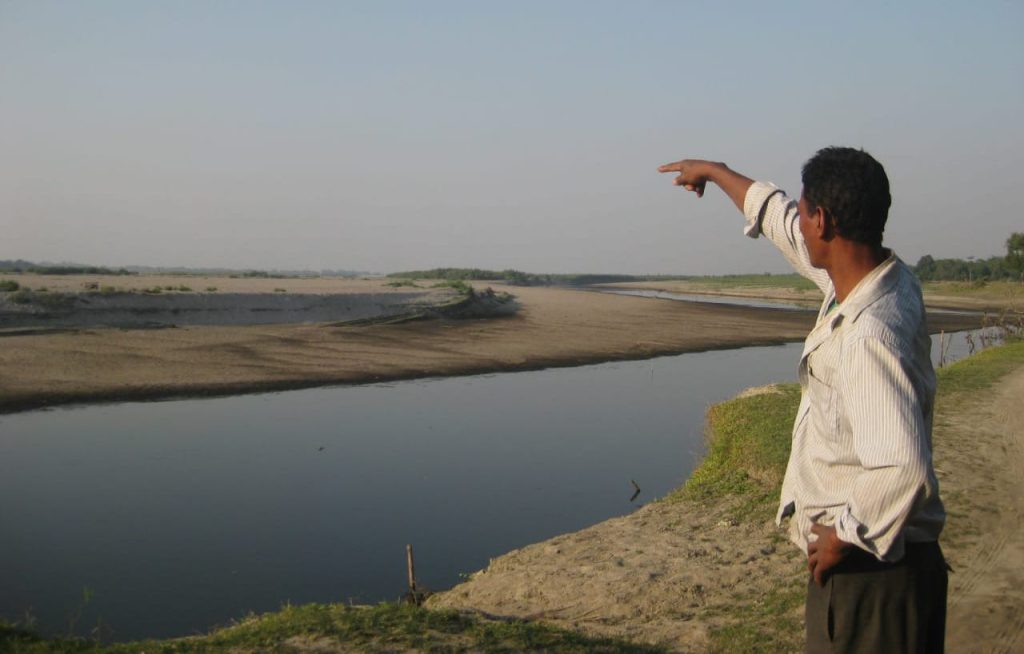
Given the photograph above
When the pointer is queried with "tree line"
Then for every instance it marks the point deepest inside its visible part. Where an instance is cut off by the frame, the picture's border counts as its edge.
(1010, 266)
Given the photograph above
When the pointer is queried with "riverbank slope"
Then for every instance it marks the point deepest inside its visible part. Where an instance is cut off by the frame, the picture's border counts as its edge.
(706, 570)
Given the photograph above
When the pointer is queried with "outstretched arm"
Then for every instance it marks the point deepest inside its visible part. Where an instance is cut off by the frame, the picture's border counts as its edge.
(767, 209)
(694, 174)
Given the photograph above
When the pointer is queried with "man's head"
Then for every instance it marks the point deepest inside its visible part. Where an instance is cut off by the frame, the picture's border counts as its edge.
(852, 191)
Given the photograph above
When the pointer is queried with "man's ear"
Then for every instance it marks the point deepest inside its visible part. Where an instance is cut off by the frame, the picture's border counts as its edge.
(823, 224)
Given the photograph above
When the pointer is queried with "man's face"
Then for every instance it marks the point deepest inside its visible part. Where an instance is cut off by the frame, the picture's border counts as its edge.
(810, 232)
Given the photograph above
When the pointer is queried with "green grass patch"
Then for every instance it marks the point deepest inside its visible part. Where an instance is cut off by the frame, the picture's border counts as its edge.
(959, 382)
(749, 439)
(768, 625)
(8, 285)
(386, 627)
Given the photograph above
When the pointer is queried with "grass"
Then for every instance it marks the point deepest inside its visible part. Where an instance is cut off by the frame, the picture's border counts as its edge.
(382, 628)
(721, 282)
(993, 290)
(766, 626)
(8, 285)
(747, 452)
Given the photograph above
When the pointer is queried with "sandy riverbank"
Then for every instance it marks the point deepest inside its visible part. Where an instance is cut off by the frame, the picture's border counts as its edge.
(553, 327)
(1001, 296)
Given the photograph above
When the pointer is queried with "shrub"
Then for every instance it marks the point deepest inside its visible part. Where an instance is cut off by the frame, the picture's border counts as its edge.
(211, 289)
(184, 289)
(8, 285)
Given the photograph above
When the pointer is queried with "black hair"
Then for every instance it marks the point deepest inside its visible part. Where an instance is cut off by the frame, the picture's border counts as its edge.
(852, 189)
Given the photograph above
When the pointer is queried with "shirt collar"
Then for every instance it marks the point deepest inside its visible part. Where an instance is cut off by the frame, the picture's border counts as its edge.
(873, 286)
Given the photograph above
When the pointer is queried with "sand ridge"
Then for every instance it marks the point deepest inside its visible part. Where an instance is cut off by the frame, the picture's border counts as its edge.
(553, 327)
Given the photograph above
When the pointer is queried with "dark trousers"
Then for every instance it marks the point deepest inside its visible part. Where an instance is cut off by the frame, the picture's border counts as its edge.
(870, 606)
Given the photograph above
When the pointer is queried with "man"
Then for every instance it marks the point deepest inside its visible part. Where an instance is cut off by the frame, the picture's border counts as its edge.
(860, 491)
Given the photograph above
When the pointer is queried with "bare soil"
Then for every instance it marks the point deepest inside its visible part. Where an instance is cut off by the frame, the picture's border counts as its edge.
(980, 462)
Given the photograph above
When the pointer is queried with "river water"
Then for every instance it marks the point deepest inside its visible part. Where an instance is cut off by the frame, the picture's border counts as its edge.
(167, 518)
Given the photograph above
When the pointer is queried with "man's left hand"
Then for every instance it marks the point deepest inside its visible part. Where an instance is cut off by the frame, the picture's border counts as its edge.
(826, 552)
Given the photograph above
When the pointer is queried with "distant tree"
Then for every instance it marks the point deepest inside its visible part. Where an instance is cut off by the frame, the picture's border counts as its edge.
(1015, 253)
(925, 268)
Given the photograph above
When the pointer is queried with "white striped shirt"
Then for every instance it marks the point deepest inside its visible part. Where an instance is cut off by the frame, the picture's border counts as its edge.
(861, 456)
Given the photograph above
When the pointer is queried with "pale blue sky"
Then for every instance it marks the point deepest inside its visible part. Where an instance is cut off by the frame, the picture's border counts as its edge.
(393, 135)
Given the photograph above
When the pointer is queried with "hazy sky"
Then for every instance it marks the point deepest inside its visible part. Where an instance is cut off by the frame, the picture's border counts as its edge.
(393, 135)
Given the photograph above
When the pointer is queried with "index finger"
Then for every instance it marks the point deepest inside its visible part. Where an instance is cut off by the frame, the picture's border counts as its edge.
(816, 529)
(674, 167)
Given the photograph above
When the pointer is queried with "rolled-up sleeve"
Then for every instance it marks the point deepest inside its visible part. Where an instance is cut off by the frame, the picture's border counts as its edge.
(890, 441)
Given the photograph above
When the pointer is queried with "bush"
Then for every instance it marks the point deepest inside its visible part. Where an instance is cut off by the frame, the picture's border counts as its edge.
(184, 289)
(211, 289)
(8, 285)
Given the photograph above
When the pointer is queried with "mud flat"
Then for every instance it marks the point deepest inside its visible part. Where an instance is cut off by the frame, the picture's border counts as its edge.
(552, 327)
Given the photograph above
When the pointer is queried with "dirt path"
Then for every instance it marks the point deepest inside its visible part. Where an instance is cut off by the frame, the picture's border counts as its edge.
(982, 464)
(668, 573)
